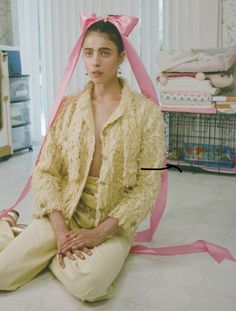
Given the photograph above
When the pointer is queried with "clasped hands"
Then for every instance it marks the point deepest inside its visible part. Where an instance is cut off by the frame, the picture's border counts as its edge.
(78, 242)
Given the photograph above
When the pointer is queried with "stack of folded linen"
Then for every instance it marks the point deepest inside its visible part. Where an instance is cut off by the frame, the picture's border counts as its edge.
(183, 92)
(188, 81)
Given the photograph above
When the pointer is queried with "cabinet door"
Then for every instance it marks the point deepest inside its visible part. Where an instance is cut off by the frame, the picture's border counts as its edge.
(5, 130)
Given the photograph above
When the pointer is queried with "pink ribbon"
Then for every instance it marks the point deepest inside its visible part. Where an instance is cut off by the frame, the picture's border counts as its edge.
(217, 252)
(20, 198)
(125, 25)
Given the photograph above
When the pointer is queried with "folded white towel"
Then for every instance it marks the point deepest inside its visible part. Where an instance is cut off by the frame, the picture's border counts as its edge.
(200, 60)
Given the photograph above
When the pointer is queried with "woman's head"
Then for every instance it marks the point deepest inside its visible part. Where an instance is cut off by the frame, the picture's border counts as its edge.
(103, 51)
(108, 28)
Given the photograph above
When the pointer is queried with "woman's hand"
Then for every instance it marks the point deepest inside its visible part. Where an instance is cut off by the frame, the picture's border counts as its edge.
(62, 232)
(82, 239)
(62, 238)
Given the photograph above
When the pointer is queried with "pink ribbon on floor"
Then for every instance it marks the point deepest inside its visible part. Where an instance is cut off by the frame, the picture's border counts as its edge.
(125, 25)
(219, 253)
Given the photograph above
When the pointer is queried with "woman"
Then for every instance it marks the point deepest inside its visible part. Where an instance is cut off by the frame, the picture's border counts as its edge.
(90, 192)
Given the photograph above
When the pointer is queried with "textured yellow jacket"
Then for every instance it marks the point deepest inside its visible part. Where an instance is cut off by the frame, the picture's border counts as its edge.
(132, 138)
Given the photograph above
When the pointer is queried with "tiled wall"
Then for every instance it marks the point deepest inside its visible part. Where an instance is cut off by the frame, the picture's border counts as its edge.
(228, 22)
(5, 23)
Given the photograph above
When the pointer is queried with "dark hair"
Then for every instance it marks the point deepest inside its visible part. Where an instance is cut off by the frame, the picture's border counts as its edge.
(109, 29)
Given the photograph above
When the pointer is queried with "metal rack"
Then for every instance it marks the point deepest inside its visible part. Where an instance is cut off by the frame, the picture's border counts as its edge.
(207, 141)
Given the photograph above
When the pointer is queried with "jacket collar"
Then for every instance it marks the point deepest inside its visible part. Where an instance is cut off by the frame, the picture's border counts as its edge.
(85, 104)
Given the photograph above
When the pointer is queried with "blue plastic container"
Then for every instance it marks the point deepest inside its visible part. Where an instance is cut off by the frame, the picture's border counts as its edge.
(14, 63)
(208, 155)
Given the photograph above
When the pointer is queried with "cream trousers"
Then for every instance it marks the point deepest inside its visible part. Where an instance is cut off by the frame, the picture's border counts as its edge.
(25, 256)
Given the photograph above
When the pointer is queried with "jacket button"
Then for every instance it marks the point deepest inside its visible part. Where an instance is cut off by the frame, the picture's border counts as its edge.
(104, 157)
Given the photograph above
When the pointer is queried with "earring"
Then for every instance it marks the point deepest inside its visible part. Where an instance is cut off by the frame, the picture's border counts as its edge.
(119, 71)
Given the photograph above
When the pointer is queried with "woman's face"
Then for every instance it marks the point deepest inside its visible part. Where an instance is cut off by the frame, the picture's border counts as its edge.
(101, 57)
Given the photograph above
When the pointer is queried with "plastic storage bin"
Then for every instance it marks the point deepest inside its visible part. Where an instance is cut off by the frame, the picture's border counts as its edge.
(20, 113)
(208, 155)
(21, 137)
(19, 88)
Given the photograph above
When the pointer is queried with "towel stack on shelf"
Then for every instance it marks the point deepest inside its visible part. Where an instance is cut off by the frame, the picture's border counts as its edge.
(188, 80)
(184, 91)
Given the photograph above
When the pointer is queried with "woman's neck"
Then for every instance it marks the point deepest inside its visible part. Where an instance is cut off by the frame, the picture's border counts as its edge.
(107, 93)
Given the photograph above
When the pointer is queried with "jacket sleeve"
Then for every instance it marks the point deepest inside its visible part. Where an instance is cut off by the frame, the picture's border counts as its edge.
(46, 179)
(139, 201)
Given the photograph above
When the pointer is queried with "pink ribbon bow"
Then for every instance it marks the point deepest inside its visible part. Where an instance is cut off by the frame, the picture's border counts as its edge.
(125, 25)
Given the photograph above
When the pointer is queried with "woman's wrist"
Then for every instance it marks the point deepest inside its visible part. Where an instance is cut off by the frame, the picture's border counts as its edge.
(61, 231)
(107, 227)
(58, 222)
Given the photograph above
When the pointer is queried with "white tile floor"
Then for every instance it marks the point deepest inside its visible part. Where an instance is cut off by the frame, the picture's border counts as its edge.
(200, 206)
